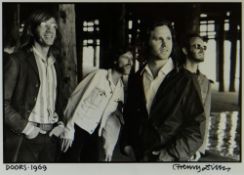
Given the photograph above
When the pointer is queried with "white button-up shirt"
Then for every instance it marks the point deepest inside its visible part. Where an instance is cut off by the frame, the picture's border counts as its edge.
(152, 84)
(44, 109)
(92, 102)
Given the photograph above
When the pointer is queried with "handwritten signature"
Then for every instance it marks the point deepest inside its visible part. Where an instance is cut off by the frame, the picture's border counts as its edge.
(201, 168)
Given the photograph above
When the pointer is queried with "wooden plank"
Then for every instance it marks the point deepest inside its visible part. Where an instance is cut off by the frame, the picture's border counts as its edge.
(66, 23)
(233, 30)
(220, 53)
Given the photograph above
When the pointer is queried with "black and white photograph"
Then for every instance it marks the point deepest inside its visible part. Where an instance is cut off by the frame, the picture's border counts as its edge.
(126, 87)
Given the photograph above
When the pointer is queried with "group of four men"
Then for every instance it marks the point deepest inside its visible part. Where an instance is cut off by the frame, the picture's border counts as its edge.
(164, 118)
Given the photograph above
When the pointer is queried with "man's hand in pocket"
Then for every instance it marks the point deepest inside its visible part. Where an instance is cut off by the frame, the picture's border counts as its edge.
(34, 133)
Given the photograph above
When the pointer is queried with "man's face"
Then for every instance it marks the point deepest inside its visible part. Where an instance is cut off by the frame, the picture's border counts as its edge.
(161, 42)
(46, 32)
(197, 49)
(125, 62)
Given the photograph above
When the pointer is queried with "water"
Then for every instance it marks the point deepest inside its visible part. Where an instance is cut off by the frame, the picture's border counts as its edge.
(224, 138)
(224, 134)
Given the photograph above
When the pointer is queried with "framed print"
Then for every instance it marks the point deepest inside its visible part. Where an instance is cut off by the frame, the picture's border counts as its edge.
(121, 87)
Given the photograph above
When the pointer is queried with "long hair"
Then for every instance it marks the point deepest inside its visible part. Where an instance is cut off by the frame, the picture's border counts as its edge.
(30, 30)
(151, 26)
(112, 62)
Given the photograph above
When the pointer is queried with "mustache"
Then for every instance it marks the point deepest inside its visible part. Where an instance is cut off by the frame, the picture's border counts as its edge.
(127, 65)
(123, 68)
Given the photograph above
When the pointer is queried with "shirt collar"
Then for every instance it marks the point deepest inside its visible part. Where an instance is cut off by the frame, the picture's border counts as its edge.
(110, 79)
(147, 70)
(169, 66)
(50, 59)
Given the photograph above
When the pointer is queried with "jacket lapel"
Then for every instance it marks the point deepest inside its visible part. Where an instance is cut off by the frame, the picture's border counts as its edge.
(32, 61)
(161, 92)
(58, 72)
(141, 95)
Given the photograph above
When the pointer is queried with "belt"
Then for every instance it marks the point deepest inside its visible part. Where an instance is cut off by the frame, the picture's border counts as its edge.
(45, 127)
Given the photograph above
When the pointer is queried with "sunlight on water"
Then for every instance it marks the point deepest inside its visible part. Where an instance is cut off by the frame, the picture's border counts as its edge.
(224, 134)
(231, 141)
(220, 134)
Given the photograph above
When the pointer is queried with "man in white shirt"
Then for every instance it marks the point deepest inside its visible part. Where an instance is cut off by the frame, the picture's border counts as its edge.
(164, 111)
(32, 94)
(92, 111)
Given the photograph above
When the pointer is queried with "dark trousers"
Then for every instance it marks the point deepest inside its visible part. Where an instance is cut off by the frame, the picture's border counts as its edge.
(42, 149)
(84, 147)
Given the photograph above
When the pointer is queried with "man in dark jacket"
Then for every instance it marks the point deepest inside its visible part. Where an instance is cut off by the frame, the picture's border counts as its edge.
(32, 97)
(164, 110)
(194, 48)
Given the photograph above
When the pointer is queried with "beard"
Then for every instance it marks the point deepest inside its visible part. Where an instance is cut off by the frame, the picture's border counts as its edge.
(193, 58)
(124, 70)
